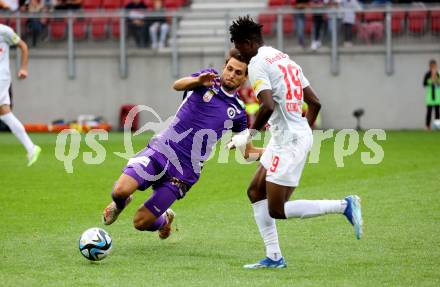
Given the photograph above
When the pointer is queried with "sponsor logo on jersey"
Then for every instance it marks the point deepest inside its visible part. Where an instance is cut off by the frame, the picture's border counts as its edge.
(236, 109)
(294, 107)
(208, 96)
(231, 112)
(277, 57)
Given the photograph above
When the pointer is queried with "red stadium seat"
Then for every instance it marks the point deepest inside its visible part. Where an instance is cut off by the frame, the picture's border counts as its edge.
(171, 4)
(288, 24)
(397, 21)
(4, 21)
(373, 16)
(79, 29)
(309, 24)
(98, 28)
(435, 22)
(267, 20)
(115, 29)
(149, 4)
(13, 24)
(417, 21)
(58, 29)
(277, 3)
(91, 4)
(111, 4)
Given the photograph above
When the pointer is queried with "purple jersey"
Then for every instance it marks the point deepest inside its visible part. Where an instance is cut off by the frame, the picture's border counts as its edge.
(201, 120)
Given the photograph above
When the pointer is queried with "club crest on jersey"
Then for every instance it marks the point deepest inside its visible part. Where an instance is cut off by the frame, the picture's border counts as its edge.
(208, 96)
(231, 112)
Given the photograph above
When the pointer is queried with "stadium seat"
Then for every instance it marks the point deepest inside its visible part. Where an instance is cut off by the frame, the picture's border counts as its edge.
(267, 20)
(115, 29)
(373, 16)
(111, 4)
(172, 4)
(4, 21)
(417, 22)
(277, 3)
(309, 24)
(288, 24)
(13, 24)
(98, 28)
(435, 22)
(397, 22)
(58, 29)
(91, 4)
(149, 4)
(80, 29)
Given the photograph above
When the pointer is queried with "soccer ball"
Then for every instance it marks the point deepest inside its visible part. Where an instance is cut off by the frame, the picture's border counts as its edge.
(95, 244)
(436, 125)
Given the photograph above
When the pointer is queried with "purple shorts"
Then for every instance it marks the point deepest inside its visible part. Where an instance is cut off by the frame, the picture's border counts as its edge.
(151, 168)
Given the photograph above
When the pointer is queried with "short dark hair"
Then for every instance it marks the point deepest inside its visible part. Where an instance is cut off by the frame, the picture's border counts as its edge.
(432, 62)
(244, 28)
(234, 53)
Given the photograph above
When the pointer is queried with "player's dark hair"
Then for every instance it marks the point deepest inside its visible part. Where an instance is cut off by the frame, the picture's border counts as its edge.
(244, 28)
(432, 62)
(234, 53)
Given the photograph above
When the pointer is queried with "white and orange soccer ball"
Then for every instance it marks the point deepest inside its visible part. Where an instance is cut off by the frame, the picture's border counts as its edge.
(95, 244)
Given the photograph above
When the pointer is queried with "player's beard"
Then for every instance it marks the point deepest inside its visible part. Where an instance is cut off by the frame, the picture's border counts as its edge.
(229, 88)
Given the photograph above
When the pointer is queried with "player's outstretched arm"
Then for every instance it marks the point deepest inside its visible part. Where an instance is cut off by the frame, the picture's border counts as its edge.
(190, 83)
(23, 72)
(314, 105)
(267, 106)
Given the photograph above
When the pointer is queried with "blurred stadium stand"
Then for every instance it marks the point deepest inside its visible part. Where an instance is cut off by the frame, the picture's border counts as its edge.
(91, 69)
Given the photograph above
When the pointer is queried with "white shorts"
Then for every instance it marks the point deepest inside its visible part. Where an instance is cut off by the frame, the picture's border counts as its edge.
(284, 163)
(4, 93)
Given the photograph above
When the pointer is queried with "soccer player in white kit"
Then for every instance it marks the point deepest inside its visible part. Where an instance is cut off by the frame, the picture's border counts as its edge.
(9, 38)
(281, 88)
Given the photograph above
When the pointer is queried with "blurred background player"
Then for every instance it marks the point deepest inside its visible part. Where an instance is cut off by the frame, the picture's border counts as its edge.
(281, 88)
(9, 38)
(172, 161)
(431, 82)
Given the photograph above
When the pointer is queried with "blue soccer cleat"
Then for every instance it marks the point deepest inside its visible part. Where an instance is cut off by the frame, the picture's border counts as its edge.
(354, 214)
(267, 263)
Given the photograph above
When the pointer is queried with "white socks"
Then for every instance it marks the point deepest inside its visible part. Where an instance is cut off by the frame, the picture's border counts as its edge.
(18, 130)
(312, 208)
(268, 229)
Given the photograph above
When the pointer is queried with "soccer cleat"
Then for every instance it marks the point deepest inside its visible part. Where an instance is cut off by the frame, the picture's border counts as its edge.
(165, 231)
(33, 157)
(267, 263)
(111, 212)
(354, 214)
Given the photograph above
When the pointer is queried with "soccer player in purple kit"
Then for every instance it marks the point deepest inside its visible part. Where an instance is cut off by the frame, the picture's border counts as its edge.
(173, 159)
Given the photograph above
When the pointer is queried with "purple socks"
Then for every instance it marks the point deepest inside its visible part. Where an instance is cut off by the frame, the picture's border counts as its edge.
(158, 224)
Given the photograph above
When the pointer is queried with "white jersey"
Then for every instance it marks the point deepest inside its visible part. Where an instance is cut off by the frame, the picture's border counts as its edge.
(7, 38)
(273, 70)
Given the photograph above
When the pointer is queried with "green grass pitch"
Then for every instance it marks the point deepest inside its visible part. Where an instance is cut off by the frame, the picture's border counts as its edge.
(44, 210)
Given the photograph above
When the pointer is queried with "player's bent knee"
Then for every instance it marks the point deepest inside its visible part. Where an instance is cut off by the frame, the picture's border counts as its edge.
(254, 194)
(277, 213)
(251, 193)
(121, 190)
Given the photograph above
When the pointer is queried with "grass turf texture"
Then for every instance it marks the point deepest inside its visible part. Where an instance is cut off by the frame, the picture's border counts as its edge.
(44, 210)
